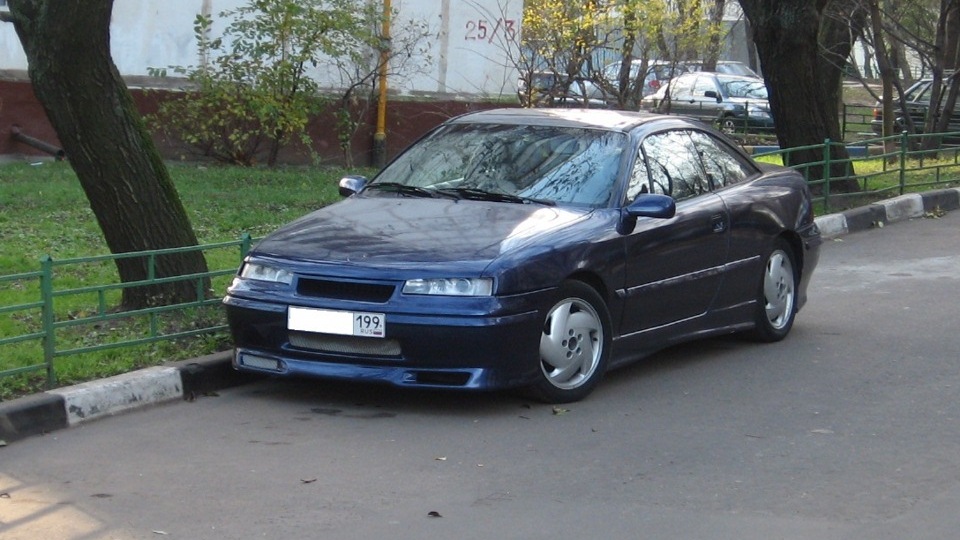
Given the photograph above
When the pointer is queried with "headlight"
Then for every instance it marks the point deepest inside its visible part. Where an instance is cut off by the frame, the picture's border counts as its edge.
(450, 287)
(261, 272)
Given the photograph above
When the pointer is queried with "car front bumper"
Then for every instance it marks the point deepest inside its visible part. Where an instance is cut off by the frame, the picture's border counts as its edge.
(462, 351)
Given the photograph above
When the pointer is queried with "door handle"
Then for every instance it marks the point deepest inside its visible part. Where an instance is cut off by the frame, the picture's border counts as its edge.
(718, 223)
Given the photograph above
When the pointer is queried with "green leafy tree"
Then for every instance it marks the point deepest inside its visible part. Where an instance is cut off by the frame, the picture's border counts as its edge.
(565, 40)
(257, 86)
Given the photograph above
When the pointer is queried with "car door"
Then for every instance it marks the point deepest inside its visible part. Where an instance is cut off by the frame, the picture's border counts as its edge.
(705, 103)
(729, 172)
(673, 267)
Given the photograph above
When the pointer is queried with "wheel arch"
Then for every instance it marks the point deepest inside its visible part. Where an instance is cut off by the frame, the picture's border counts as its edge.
(594, 281)
(796, 247)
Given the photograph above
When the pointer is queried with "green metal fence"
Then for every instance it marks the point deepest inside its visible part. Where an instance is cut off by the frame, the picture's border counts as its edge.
(58, 300)
(881, 167)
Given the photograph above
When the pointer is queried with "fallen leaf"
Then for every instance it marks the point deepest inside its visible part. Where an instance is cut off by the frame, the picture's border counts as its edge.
(440, 458)
(4, 495)
(3, 443)
(822, 431)
(310, 481)
(164, 533)
(560, 410)
(434, 514)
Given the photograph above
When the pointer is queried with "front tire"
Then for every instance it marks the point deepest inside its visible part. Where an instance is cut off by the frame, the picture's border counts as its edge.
(728, 125)
(777, 299)
(574, 345)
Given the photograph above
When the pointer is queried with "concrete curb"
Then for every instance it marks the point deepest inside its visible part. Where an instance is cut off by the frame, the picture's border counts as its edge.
(73, 405)
(889, 211)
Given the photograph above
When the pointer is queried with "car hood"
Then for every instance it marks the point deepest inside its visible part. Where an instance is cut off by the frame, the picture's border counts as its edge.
(405, 232)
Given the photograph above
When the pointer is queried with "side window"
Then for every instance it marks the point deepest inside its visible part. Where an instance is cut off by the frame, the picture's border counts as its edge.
(681, 88)
(674, 165)
(702, 86)
(723, 166)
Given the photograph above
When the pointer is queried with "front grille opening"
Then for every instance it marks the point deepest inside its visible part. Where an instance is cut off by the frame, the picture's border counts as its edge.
(441, 378)
(344, 290)
(330, 343)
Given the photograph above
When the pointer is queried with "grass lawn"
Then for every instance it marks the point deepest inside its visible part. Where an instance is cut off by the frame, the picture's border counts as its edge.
(43, 211)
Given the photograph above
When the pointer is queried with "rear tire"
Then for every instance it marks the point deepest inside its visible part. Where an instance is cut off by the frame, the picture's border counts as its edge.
(777, 298)
(574, 345)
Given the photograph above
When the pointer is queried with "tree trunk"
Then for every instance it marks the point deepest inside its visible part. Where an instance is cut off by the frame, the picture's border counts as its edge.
(941, 63)
(67, 44)
(952, 47)
(717, 30)
(841, 23)
(786, 33)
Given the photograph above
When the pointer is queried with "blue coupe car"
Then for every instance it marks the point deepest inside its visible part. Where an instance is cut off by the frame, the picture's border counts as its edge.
(530, 248)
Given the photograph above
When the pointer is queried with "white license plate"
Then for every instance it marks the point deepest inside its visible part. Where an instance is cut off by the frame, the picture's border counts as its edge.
(344, 323)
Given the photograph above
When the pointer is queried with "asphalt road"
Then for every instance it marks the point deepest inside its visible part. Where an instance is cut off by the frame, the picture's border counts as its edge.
(849, 429)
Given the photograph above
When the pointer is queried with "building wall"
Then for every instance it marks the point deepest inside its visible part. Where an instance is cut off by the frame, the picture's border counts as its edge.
(465, 52)
(464, 66)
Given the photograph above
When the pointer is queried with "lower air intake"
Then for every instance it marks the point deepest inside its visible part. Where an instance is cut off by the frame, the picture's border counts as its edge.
(329, 343)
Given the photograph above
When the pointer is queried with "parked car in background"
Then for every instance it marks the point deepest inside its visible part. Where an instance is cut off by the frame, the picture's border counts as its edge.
(659, 72)
(917, 100)
(548, 89)
(532, 248)
(731, 102)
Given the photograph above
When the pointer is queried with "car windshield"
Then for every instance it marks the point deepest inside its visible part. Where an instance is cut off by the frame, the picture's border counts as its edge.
(512, 163)
(735, 68)
(744, 88)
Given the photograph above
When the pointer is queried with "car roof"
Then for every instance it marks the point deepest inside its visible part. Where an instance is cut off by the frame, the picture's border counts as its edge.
(609, 119)
(717, 74)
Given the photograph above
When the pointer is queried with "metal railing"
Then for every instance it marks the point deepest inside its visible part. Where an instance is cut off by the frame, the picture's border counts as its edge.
(54, 306)
(880, 166)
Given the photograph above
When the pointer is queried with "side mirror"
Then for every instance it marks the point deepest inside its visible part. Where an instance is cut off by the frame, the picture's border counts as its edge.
(652, 205)
(350, 185)
(713, 94)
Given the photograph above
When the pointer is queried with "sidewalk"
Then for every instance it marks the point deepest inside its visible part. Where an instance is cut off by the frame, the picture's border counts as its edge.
(72, 405)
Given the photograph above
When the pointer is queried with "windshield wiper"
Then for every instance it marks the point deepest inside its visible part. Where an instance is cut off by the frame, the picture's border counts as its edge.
(475, 194)
(403, 189)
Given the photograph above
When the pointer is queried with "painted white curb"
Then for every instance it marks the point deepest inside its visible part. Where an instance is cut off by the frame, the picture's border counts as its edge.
(90, 400)
(832, 224)
(903, 207)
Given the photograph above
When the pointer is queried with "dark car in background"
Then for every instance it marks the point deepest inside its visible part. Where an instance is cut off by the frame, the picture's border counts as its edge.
(917, 101)
(532, 248)
(733, 103)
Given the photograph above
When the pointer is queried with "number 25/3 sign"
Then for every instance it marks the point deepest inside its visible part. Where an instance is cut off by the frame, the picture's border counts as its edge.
(484, 30)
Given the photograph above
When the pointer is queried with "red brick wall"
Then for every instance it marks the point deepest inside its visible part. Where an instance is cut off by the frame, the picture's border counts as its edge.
(407, 120)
